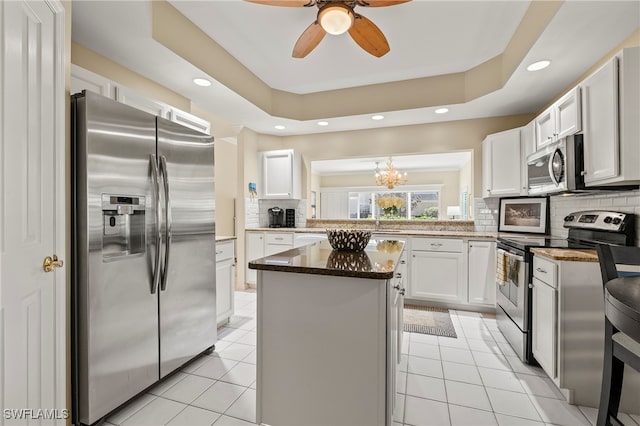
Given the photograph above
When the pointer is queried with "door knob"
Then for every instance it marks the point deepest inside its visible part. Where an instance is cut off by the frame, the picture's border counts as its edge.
(50, 264)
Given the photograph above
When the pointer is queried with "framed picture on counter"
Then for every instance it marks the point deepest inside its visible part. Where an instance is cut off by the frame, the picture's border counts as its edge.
(524, 215)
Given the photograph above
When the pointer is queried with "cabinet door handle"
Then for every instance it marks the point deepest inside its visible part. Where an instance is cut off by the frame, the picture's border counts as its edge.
(582, 173)
(398, 275)
(397, 287)
(218, 252)
(541, 270)
(402, 262)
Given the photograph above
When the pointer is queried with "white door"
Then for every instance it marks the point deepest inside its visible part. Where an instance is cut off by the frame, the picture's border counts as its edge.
(32, 207)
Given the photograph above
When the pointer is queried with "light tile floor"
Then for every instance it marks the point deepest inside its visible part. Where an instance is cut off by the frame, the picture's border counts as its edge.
(475, 379)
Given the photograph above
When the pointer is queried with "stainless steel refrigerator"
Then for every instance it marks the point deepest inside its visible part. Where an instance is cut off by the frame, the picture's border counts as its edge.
(143, 248)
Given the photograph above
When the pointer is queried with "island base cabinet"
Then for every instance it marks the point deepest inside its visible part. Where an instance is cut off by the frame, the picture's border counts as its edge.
(323, 350)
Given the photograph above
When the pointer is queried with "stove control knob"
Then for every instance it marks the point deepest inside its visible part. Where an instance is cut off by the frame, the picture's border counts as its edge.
(608, 219)
(568, 218)
(616, 221)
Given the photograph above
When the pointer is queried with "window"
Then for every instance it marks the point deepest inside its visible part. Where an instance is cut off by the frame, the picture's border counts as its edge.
(418, 204)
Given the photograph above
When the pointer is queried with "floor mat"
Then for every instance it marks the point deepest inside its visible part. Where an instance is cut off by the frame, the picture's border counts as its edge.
(428, 320)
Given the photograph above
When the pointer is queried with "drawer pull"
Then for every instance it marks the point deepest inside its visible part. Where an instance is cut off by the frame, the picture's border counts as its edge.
(219, 252)
(436, 244)
(398, 275)
(279, 238)
(542, 271)
(403, 262)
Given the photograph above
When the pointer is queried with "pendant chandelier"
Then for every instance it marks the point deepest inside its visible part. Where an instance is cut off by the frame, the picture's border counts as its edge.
(390, 177)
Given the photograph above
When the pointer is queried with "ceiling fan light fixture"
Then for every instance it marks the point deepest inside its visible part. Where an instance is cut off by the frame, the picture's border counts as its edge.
(336, 18)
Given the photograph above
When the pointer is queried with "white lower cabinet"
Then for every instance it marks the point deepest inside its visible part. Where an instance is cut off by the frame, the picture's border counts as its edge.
(481, 273)
(225, 274)
(438, 270)
(277, 242)
(568, 330)
(254, 249)
(545, 334)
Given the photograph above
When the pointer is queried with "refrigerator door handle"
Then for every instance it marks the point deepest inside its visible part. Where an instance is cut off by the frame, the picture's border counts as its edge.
(167, 217)
(158, 238)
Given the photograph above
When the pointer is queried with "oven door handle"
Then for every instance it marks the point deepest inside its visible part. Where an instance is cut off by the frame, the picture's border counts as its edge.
(506, 253)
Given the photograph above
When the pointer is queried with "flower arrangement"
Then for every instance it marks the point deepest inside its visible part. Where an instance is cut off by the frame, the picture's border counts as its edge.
(390, 205)
(389, 246)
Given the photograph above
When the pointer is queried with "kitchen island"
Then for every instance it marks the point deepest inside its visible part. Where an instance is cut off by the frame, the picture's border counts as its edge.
(329, 330)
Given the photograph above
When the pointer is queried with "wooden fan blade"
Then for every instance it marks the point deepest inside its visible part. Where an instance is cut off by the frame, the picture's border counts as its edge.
(369, 37)
(380, 3)
(285, 3)
(308, 41)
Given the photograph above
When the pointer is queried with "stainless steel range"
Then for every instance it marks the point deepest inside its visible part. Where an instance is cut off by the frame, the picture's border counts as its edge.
(514, 257)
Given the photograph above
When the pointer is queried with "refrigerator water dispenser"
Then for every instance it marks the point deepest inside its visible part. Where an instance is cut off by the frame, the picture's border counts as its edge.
(123, 221)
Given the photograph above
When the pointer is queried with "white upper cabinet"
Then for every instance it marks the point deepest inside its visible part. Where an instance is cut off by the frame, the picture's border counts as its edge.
(281, 172)
(501, 165)
(561, 119)
(190, 120)
(139, 101)
(82, 79)
(611, 107)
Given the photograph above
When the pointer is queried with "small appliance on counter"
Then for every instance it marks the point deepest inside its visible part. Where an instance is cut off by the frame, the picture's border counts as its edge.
(290, 218)
(276, 217)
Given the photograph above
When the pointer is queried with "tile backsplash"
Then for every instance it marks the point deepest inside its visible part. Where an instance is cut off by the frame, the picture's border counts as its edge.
(486, 210)
(258, 217)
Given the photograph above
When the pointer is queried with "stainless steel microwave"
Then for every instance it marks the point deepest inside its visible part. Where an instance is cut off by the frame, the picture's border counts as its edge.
(556, 167)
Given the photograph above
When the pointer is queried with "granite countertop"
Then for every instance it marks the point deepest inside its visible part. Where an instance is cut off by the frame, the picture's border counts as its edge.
(378, 261)
(391, 232)
(220, 238)
(572, 255)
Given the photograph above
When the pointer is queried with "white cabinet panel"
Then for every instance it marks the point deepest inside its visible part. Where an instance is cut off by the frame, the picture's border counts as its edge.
(600, 106)
(281, 173)
(561, 119)
(190, 120)
(277, 242)
(225, 273)
(438, 276)
(254, 250)
(82, 79)
(545, 326)
(334, 205)
(502, 162)
(141, 102)
(481, 272)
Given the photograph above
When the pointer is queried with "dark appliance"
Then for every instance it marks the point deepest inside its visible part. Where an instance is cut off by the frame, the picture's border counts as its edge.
(514, 293)
(276, 217)
(290, 218)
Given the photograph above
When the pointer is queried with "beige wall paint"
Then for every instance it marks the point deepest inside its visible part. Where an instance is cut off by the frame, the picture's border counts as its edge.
(247, 172)
(180, 35)
(463, 135)
(226, 152)
(450, 181)
(94, 62)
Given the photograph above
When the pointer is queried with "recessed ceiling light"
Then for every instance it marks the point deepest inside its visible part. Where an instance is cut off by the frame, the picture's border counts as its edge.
(441, 110)
(323, 123)
(377, 117)
(537, 66)
(202, 82)
(279, 127)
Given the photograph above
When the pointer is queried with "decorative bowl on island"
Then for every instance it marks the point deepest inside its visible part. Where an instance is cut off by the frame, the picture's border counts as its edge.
(352, 240)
